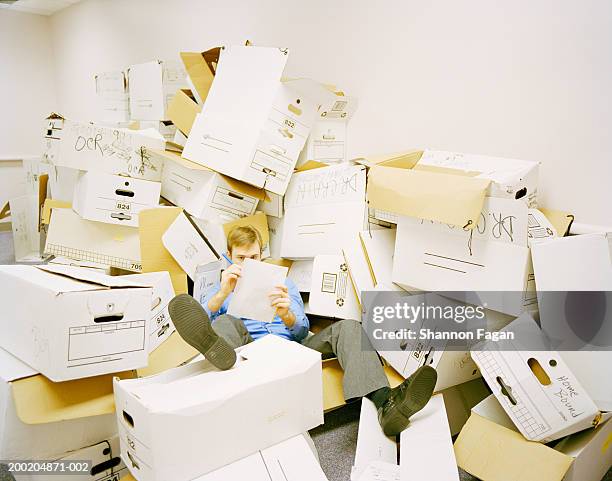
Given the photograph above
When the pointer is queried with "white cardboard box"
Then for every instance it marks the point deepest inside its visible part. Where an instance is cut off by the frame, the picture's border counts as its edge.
(324, 209)
(113, 199)
(327, 141)
(106, 464)
(492, 259)
(160, 324)
(83, 240)
(281, 378)
(490, 447)
(70, 323)
(259, 145)
(152, 86)
(112, 150)
(113, 96)
(331, 292)
(273, 205)
(290, 460)
(535, 387)
(204, 193)
(31, 433)
(511, 178)
(300, 273)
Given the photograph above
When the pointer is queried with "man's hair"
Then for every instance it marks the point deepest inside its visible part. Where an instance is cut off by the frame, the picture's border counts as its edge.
(244, 235)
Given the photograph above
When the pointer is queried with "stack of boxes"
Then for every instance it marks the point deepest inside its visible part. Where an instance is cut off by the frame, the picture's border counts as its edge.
(124, 213)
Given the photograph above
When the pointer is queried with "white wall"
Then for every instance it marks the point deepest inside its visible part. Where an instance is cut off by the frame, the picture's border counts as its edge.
(27, 83)
(517, 79)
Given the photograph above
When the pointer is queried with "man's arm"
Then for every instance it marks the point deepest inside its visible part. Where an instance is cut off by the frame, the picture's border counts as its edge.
(290, 308)
(229, 277)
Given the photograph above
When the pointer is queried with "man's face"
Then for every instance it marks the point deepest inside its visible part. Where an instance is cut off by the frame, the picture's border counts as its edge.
(240, 253)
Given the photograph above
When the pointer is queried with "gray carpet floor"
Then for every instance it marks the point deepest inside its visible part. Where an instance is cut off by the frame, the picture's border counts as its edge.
(335, 440)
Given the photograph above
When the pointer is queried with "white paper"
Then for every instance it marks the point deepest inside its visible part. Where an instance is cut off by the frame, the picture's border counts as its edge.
(250, 298)
(187, 246)
(426, 446)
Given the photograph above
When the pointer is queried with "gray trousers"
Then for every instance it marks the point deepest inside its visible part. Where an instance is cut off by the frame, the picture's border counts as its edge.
(363, 372)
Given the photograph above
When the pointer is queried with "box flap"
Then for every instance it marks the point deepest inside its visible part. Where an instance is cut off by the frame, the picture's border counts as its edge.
(153, 223)
(175, 157)
(201, 68)
(310, 165)
(451, 199)
(279, 262)
(492, 452)
(182, 110)
(402, 160)
(89, 275)
(39, 400)
(561, 221)
(55, 283)
(259, 221)
(5, 211)
(12, 368)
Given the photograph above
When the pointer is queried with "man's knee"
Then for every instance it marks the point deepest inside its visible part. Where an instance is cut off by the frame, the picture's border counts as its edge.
(349, 325)
(227, 320)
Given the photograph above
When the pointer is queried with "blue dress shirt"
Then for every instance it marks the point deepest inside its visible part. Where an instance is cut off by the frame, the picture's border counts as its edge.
(258, 329)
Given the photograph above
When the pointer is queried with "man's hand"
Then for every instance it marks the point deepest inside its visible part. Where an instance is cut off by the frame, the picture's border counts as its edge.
(229, 277)
(280, 300)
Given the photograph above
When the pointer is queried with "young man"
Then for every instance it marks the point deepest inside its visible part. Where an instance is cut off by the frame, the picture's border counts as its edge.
(363, 372)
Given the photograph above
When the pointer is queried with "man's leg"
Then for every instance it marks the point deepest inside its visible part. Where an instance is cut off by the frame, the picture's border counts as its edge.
(364, 376)
(363, 372)
(232, 330)
(193, 325)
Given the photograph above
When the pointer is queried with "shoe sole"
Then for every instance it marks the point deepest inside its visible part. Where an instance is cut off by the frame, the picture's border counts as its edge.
(416, 397)
(193, 325)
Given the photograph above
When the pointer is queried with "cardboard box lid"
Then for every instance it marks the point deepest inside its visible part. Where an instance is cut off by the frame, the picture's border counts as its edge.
(561, 221)
(182, 110)
(259, 221)
(201, 68)
(425, 194)
(62, 279)
(403, 160)
(90, 276)
(39, 400)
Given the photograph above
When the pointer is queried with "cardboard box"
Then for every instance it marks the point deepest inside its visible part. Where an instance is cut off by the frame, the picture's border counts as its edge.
(206, 277)
(62, 182)
(159, 321)
(269, 365)
(535, 387)
(331, 291)
(201, 67)
(459, 401)
(152, 86)
(188, 245)
(359, 270)
(113, 96)
(84, 240)
(490, 447)
(275, 230)
(113, 199)
(324, 209)
(490, 263)
(164, 128)
(454, 366)
(78, 324)
(106, 464)
(44, 419)
(204, 193)
(328, 138)
(273, 205)
(290, 460)
(32, 431)
(110, 150)
(262, 144)
(183, 110)
(510, 178)
(259, 221)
